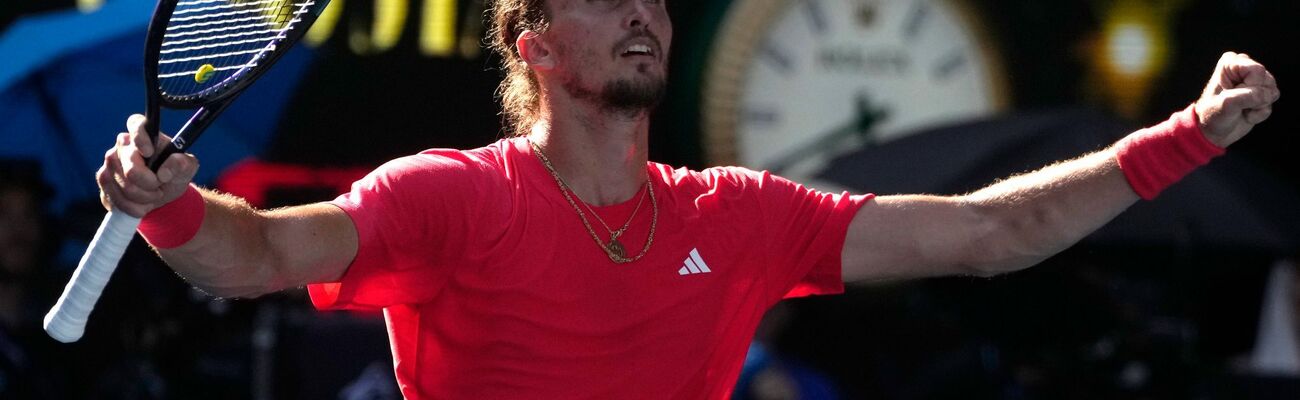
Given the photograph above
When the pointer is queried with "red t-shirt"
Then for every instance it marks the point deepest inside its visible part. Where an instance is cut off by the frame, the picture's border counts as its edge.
(492, 288)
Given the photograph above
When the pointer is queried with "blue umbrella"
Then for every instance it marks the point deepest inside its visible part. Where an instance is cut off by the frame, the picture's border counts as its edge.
(70, 79)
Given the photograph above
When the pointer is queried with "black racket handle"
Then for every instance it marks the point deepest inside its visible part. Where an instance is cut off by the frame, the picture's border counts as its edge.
(167, 150)
(189, 133)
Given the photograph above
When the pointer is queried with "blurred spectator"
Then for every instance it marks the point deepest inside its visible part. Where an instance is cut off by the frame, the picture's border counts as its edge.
(768, 375)
(24, 250)
(1277, 343)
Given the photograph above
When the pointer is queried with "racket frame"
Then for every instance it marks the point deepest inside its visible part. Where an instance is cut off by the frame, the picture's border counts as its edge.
(210, 102)
(66, 321)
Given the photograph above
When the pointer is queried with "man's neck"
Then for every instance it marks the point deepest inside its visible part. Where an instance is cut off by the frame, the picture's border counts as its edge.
(601, 154)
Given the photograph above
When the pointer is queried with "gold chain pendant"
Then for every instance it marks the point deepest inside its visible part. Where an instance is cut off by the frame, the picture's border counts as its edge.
(617, 248)
(614, 249)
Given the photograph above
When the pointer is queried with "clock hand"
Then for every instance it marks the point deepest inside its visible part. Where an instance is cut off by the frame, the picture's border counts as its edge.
(865, 117)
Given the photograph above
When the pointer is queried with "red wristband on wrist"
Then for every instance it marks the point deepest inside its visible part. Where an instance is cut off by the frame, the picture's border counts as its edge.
(174, 223)
(1155, 158)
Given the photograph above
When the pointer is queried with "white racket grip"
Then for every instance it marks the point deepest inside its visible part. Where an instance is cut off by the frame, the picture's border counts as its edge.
(66, 321)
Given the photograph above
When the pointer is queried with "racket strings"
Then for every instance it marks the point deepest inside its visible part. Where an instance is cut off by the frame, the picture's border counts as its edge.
(215, 45)
(199, 2)
(218, 37)
(218, 7)
(210, 42)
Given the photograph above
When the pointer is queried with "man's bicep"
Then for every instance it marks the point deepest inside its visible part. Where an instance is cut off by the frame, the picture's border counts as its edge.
(312, 243)
(909, 236)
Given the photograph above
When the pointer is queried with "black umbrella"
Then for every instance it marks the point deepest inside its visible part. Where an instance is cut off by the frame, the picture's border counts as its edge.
(1228, 204)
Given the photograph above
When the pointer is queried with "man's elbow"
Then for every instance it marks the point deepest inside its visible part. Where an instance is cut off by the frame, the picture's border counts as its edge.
(244, 283)
(1001, 243)
(235, 292)
(992, 269)
(1003, 259)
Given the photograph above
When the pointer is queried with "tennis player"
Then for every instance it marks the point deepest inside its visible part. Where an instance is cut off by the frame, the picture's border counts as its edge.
(561, 263)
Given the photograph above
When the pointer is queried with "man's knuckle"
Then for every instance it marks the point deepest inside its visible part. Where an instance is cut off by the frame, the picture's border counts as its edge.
(133, 175)
(140, 195)
(131, 193)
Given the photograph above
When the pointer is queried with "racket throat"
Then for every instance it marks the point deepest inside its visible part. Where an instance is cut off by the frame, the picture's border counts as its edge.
(190, 132)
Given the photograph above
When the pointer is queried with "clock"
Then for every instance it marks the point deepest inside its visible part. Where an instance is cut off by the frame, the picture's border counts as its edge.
(789, 84)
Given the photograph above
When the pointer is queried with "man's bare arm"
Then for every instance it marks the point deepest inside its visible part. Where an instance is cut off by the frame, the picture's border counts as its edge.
(238, 251)
(1021, 221)
(1007, 226)
(243, 252)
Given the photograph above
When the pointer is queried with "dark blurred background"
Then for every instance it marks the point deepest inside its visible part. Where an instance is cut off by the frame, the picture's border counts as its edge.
(1191, 296)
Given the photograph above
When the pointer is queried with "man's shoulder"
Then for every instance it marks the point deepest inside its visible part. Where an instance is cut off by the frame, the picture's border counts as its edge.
(442, 164)
(491, 153)
(488, 156)
(719, 177)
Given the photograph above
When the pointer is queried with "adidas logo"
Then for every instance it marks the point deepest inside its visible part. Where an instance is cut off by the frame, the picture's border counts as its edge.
(694, 265)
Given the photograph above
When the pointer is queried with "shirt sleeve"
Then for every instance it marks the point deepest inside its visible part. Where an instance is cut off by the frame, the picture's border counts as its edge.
(803, 230)
(413, 217)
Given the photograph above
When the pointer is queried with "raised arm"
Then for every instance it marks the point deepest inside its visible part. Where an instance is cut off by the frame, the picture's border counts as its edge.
(1021, 221)
(238, 251)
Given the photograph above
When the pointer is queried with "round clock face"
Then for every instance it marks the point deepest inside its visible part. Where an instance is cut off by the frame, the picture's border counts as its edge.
(792, 83)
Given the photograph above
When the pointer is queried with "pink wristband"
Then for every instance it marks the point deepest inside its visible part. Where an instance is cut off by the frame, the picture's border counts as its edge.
(174, 223)
(1155, 158)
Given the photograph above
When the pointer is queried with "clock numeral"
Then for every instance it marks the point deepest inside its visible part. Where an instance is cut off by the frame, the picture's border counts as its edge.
(950, 64)
(916, 19)
(777, 58)
(816, 16)
(856, 60)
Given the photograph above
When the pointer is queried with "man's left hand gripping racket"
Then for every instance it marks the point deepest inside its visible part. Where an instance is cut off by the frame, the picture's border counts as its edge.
(198, 54)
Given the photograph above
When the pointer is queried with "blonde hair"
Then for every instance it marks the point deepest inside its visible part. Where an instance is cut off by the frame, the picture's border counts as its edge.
(519, 91)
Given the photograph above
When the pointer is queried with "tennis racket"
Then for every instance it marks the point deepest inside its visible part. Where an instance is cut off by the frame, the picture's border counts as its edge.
(199, 54)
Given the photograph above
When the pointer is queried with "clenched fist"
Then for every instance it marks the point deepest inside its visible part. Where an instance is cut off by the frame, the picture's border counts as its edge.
(127, 184)
(1240, 95)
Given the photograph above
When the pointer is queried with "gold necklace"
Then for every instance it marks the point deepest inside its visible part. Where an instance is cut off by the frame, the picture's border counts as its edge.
(614, 249)
(614, 244)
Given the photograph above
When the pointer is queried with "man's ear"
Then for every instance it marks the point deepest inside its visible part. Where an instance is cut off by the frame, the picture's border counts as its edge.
(534, 50)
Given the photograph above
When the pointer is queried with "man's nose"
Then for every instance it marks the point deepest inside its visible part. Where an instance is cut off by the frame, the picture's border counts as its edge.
(640, 15)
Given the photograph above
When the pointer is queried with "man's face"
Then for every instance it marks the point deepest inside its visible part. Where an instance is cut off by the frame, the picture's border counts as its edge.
(614, 52)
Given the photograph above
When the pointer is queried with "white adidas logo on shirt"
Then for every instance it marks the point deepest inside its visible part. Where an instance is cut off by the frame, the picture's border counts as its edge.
(694, 265)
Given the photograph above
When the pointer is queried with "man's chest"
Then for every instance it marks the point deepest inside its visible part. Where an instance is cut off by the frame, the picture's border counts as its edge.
(547, 274)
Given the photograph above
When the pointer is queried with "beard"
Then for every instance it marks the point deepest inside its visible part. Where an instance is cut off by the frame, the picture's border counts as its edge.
(633, 95)
(627, 96)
